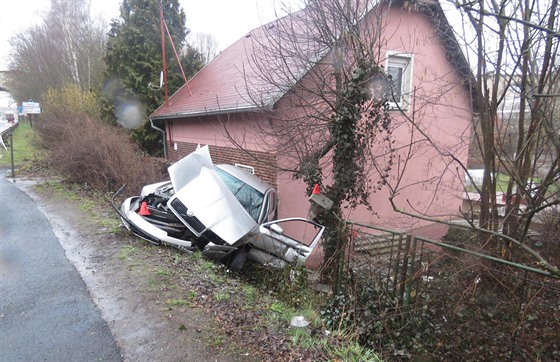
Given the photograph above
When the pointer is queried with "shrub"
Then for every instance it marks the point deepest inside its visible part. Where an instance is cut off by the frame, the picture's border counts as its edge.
(68, 101)
(459, 235)
(87, 150)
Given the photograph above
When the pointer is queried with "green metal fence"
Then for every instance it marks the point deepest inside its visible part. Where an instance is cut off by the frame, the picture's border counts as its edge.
(384, 256)
(478, 301)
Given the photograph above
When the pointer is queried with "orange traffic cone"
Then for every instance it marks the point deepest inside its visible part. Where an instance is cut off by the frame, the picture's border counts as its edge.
(144, 211)
(316, 190)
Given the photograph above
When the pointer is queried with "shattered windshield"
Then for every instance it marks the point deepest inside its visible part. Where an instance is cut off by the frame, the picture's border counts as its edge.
(248, 197)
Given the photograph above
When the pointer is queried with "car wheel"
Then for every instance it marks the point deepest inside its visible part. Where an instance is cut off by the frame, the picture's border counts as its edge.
(236, 260)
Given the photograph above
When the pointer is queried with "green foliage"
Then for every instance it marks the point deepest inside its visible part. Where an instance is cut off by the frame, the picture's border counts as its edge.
(148, 139)
(459, 312)
(191, 295)
(380, 323)
(126, 252)
(222, 296)
(459, 235)
(70, 100)
(176, 302)
(134, 59)
(250, 293)
(353, 352)
(356, 121)
(290, 284)
(163, 271)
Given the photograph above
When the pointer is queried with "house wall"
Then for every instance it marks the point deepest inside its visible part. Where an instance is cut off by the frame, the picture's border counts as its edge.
(432, 180)
(184, 136)
(426, 179)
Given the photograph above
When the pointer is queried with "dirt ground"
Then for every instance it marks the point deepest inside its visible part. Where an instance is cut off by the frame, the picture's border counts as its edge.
(143, 324)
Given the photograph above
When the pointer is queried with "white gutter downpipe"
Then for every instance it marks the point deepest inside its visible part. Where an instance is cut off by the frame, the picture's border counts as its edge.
(164, 137)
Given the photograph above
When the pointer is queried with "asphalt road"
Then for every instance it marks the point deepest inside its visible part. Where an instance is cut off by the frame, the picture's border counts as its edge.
(46, 312)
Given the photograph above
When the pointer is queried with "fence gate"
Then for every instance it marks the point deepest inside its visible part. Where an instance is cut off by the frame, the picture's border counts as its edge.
(386, 257)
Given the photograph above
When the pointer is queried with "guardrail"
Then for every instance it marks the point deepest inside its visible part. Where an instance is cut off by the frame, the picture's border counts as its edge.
(5, 128)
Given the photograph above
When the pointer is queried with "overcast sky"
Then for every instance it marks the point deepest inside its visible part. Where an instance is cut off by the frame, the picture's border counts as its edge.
(227, 20)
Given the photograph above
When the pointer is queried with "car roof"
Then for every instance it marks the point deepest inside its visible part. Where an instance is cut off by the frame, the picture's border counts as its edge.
(246, 177)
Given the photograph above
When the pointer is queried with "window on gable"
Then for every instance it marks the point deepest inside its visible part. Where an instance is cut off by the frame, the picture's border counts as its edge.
(399, 70)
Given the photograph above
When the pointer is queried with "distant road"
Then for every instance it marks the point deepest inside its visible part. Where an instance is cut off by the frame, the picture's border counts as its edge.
(46, 312)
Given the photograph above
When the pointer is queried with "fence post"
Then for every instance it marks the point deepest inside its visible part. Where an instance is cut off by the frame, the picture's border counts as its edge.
(397, 263)
(410, 277)
(12, 152)
(402, 281)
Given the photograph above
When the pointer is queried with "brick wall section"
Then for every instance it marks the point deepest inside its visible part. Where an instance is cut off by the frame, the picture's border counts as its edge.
(265, 166)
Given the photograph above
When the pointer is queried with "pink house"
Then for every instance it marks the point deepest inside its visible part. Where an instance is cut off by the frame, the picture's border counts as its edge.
(431, 110)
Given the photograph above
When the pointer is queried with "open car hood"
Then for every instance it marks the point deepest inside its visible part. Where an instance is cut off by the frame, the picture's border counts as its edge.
(198, 186)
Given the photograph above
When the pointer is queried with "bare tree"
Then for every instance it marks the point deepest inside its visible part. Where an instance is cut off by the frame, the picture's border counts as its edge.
(313, 74)
(67, 47)
(512, 47)
(323, 69)
(319, 66)
(206, 45)
(516, 72)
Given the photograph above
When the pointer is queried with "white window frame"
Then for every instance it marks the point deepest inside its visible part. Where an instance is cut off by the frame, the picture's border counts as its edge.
(406, 62)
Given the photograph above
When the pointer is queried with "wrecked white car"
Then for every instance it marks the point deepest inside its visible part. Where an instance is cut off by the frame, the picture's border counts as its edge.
(222, 211)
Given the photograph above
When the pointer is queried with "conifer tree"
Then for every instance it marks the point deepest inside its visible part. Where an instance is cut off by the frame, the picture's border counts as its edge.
(134, 62)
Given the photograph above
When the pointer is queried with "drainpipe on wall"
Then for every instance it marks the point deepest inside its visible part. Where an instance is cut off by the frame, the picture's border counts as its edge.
(163, 135)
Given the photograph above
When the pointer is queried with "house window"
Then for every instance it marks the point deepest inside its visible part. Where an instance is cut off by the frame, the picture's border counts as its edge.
(399, 71)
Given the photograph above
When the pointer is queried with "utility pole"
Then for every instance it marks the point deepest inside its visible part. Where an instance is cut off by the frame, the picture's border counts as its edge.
(163, 52)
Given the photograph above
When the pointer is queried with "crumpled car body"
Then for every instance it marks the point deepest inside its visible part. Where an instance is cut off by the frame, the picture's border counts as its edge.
(222, 211)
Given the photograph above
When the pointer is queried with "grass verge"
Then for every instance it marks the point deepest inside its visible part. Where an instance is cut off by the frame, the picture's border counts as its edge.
(245, 308)
(24, 150)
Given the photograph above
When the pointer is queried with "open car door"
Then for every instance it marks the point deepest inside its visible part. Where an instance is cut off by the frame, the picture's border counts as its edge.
(285, 241)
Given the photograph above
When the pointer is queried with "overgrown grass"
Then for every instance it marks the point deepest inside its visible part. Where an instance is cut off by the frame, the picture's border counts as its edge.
(24, 149)
(502, 182)
(94, 203)
(269, 298)
(275, 296)
(126, 252)
(176, 302)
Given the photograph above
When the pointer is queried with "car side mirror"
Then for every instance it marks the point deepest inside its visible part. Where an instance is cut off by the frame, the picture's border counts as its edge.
(277, 229)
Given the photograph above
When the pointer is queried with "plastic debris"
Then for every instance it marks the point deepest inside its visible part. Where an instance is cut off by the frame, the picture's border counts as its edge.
(299, 321)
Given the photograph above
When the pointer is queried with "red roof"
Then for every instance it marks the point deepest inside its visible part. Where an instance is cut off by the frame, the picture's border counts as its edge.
(261, 67)
(232, 82)
(216, 88)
